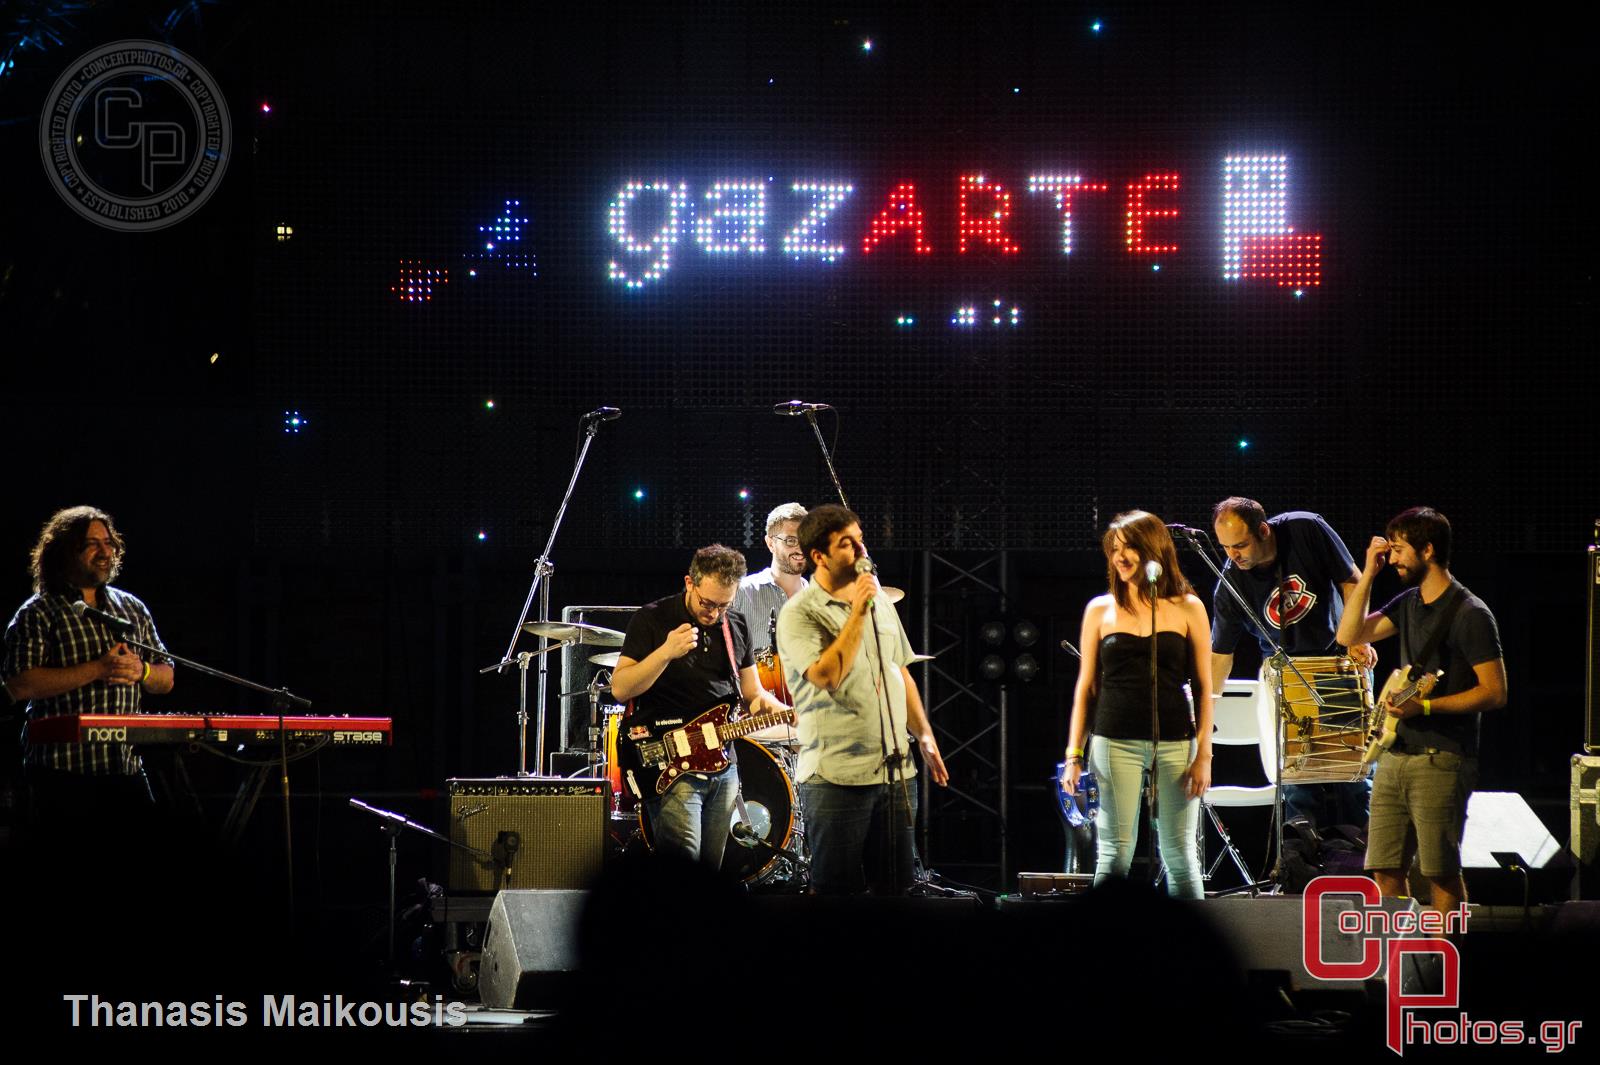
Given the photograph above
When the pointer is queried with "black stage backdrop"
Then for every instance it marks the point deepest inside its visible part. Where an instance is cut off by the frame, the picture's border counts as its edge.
(335, 409)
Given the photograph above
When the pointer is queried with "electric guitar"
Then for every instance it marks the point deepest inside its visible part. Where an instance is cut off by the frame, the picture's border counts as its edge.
(1403, 685)
(652, 759)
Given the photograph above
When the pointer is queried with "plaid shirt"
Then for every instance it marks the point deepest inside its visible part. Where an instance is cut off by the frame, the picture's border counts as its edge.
(46, 631)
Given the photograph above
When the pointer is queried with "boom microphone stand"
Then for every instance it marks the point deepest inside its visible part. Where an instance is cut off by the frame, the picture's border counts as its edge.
(1197, 540)
(795, 406)
(542, 569)
(283, 701)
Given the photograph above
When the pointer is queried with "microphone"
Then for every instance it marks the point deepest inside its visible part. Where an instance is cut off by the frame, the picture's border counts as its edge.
(795, 406)
(1066, 645)
(1181, 528)
(603, 414)
(866, 567)
(122, 626)
(1152, 571)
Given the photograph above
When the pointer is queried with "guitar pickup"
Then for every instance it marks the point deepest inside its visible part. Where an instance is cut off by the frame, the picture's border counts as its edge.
(708, 734)
(678, 740)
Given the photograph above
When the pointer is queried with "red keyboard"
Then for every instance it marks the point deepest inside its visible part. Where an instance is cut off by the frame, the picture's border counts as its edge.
(246, 729)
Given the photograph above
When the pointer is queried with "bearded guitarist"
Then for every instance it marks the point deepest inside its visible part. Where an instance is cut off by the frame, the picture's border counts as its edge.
(1419, 798)
(681, 656)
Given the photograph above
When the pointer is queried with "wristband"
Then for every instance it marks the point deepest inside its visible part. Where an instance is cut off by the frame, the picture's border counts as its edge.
(146, 673)
(1075, 752)
(1427, 707)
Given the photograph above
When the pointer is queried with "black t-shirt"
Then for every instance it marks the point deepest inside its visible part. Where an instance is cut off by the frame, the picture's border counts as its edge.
(1472, 640)
(700, 679)
(1312, 562)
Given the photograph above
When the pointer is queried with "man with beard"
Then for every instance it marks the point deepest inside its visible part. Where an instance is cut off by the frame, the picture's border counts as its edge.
(1419, 799)
(680, 657)
(1294, 571)
(845, 655)
(762, 595)
(59, 661)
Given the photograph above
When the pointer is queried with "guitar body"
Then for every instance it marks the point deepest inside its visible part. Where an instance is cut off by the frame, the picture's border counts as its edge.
(1403, 685)
(652, 759)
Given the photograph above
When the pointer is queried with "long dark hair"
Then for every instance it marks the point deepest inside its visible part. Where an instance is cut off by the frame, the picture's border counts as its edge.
(1148, 536)
(61, 542)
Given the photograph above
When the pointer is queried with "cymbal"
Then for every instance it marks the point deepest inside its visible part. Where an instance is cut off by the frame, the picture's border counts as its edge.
(893, 594)
(607, 660)
(573, 632)
(922, 658)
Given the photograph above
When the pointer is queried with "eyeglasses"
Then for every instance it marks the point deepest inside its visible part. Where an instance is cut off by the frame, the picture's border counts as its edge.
(711, 605)
(788, 541)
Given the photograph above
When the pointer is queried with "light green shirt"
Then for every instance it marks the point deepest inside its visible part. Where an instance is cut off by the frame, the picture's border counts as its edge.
(841, 732)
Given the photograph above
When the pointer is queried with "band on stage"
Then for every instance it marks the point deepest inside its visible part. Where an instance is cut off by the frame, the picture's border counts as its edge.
(801, 670)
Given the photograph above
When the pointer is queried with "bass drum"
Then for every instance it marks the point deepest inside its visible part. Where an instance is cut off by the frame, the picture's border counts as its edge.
(768, 800)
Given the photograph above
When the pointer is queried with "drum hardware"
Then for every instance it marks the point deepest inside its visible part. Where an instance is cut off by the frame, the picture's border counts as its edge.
(892, 595)
(574, 632)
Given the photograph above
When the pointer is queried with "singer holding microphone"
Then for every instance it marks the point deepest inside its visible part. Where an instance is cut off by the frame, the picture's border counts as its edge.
(1140, 710)
(61, 658)
(845, 655)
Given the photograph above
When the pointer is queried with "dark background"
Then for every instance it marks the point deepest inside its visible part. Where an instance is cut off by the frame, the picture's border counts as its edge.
(1446, 358)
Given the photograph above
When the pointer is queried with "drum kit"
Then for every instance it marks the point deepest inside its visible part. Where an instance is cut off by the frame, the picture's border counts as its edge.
(766, 835)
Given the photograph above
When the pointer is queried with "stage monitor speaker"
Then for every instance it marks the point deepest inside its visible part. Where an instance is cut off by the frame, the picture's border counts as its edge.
(1591, 689)
(577, 672)
(1508, 857)
(530, 946)
(550, 831)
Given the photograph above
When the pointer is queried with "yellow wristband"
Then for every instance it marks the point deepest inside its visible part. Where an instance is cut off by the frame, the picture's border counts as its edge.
(1074, 752)
(1427, 707)
(146, 673)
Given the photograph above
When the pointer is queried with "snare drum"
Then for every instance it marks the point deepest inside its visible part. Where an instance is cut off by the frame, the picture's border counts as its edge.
(1323, 706)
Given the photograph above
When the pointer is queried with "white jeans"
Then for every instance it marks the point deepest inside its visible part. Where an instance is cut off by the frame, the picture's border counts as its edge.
(1119, 769)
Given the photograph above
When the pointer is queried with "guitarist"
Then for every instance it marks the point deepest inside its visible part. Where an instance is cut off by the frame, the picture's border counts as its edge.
(1419, 799)
(682, 655)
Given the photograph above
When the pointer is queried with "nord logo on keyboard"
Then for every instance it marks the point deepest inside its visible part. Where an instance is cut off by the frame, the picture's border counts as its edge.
(105, 735)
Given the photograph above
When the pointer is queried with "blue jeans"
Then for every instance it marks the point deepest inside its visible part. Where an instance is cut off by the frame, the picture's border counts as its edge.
(848, 832)
(1119, 768)
(693, 817)
(1326, 805)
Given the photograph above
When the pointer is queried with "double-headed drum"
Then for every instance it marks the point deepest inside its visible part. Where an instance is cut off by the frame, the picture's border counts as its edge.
(1323, 705)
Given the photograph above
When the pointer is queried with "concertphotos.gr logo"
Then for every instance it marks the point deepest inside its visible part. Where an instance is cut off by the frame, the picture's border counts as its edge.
(135, 135)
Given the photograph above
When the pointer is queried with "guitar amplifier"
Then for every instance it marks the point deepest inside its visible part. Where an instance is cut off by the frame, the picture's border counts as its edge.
(551, 830)
(1591, 687)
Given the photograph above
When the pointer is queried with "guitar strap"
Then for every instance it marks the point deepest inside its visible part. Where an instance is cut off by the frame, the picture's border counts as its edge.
(733, 749)
(1445, 619)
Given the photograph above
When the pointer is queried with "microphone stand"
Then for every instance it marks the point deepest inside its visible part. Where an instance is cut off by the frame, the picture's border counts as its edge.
(1155, 742)
(283, 700)
(540, 586)
(1197, 540)
(811, 416)
(393, 823)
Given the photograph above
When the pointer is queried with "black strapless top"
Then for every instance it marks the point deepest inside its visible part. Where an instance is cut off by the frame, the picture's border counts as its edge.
(1122, 711)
